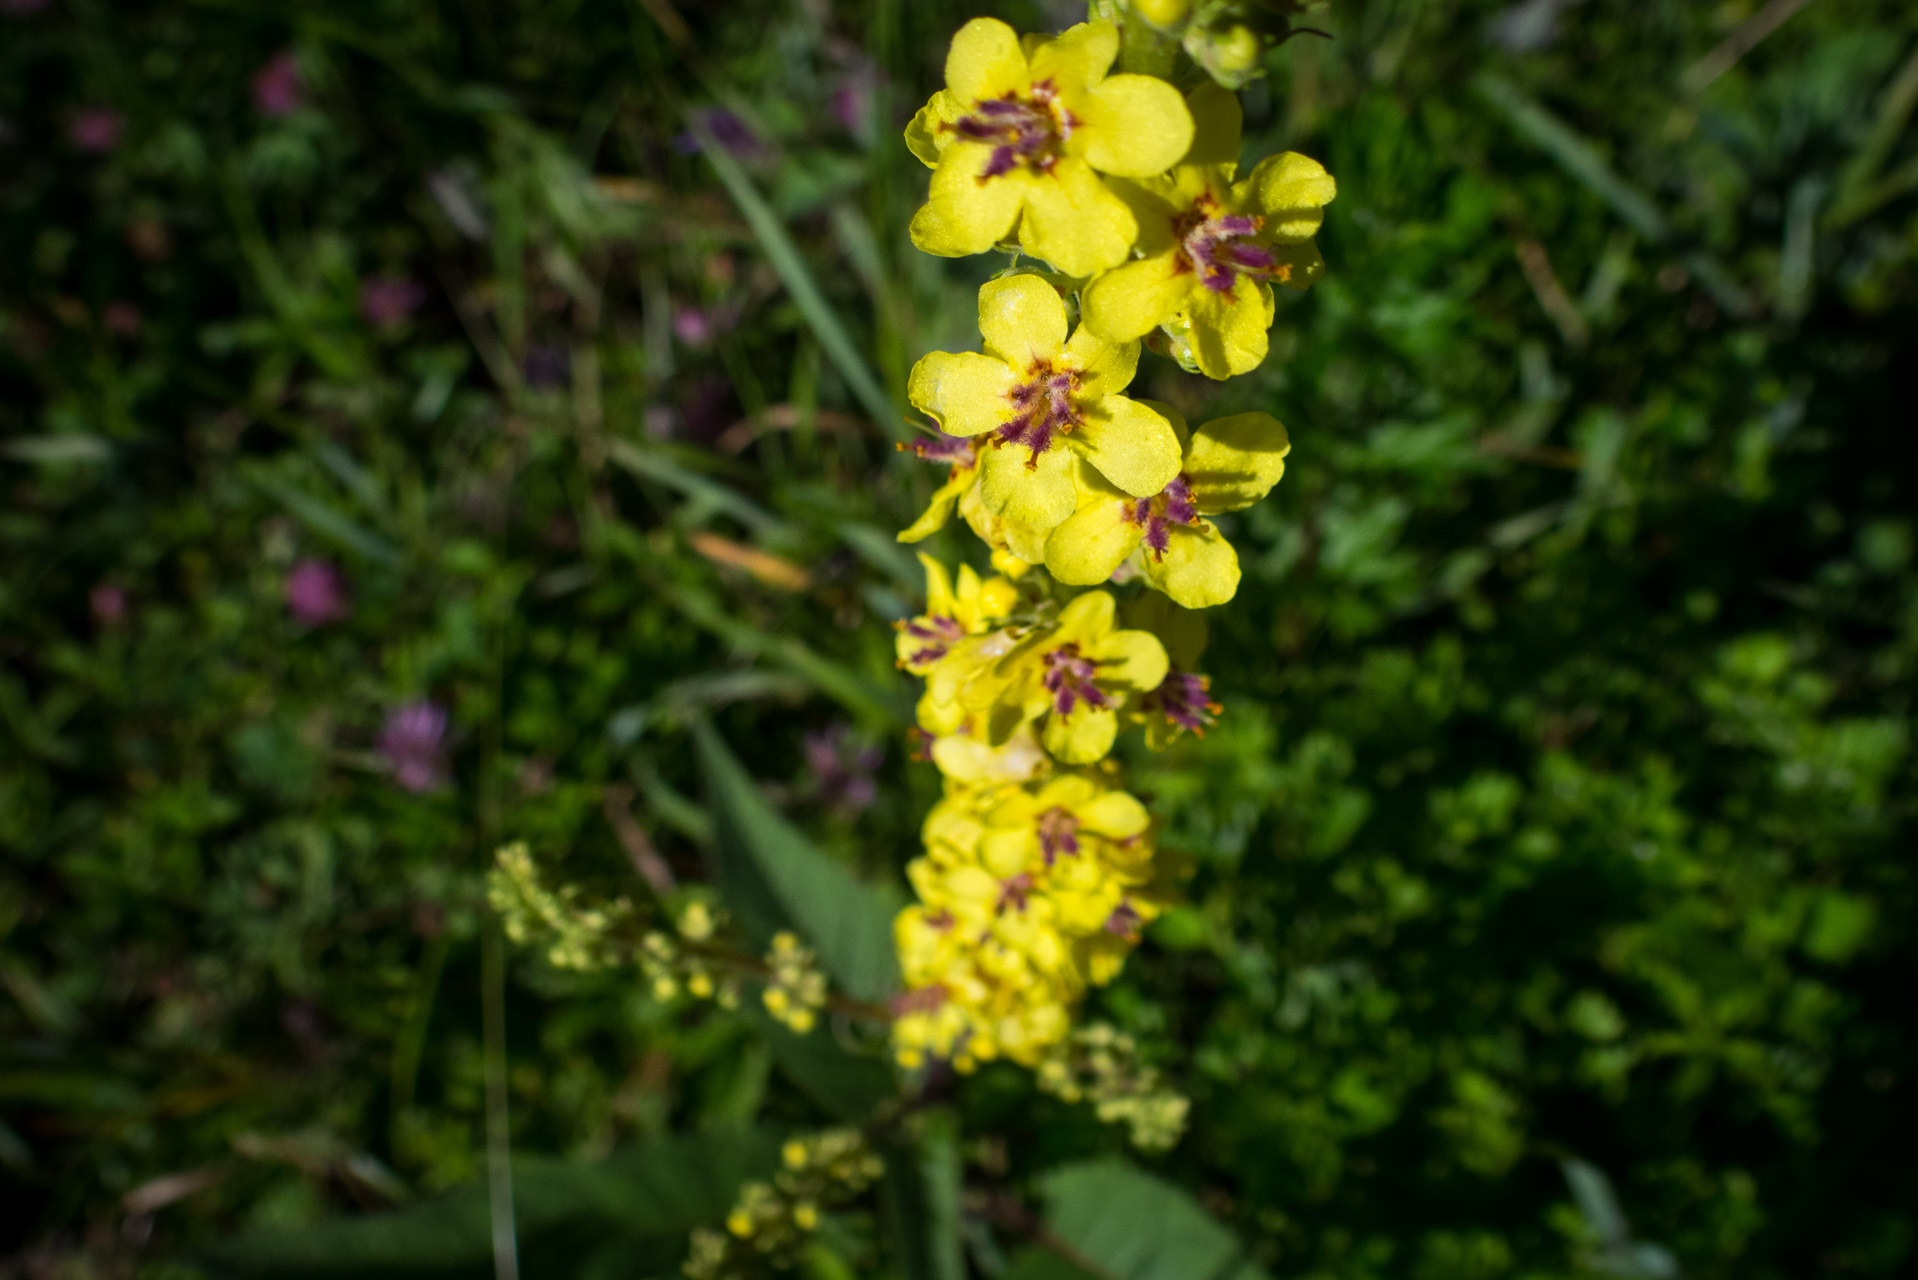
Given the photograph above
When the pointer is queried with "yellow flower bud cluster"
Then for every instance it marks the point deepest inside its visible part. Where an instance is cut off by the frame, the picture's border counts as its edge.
(1100, 1065)
(1040, 870)
(771, 1222)
(795, 988)
(687, 963)
(576, 936)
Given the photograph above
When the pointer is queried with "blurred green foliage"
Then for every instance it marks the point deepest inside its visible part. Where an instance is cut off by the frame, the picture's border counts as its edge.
(1553, 889)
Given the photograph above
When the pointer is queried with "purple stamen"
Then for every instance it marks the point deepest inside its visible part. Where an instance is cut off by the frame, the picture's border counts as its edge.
(1183, 698)
(1069, 679)
(1043, 409)
(1219, 248)
(1029, 130)
(1013, 892)
(957, 450)
(938, 632)
(1058, 833)
(1155, 516)
(1124, 921)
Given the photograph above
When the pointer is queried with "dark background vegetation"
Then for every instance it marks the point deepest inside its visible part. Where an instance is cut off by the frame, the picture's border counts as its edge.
(1551, 913)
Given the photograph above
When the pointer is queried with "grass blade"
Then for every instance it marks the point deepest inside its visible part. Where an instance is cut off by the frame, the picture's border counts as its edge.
(793, 272)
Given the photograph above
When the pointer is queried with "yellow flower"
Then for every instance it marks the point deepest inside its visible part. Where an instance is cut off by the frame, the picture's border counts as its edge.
(1212, 247)
(1019, 137)
(1074, 675)
(1229, 463)
(966, 761)
(952, 613)
(1050, 400)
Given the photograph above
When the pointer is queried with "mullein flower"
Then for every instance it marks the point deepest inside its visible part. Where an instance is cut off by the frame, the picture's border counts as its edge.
(1211, 247)
(1070, 677)
(1040, 401)
(953, 612)
(1228, 464)
(1019, 137)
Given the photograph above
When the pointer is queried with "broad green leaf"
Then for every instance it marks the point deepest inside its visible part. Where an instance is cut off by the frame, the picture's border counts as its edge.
(654, 1193)
(1128, 1225)
(774, 877)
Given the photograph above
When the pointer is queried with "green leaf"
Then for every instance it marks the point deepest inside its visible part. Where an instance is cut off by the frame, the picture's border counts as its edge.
(1120, 1222)
(774, 877)
(324, 519)
(655, 1192)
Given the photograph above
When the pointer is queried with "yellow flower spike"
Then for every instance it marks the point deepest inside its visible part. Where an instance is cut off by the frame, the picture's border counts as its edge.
(1019, 136)
(1211, 248)
(1229, 463)
(1049, 398)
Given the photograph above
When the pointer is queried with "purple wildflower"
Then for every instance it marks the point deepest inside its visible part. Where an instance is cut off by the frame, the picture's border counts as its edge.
(96, 129)
(389, 300)
(277, 88)
(122, 319)
(314, 593)
(109, 604)
(413, 742)
(842, 770)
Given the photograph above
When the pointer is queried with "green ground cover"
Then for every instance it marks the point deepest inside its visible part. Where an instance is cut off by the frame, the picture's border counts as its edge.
(537, 366)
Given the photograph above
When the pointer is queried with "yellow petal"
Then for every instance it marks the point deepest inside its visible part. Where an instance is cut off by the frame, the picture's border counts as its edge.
(1228, 332)
(939, 510)
(1114, 814)
(1200, 569)
(1128, 444)
(1217, 123)
(1135, 126)
(1072, 221)
(964, 392)
(1132, 660)
(1078, 57)
(1299, 262)
(939, 597)
(1087, 618)
(966, 212)
(1105, 368)
(1292, 191)
(1233, 462)
(1156, 206)
(985, 61)
(1026, 541)
(1092, 542)
(1128, 302)
(924, 138)
(1023, 319)
(1082, 737)
(1040, 495)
